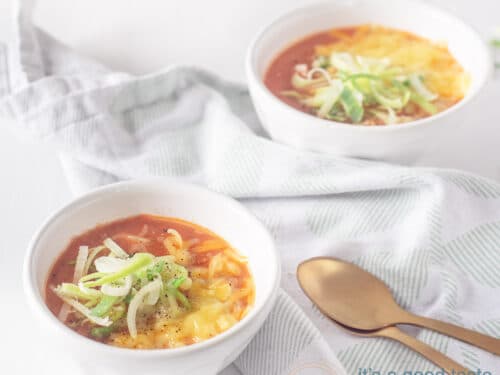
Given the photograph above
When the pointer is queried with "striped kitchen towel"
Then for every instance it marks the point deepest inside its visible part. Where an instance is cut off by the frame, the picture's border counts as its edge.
(432, 235)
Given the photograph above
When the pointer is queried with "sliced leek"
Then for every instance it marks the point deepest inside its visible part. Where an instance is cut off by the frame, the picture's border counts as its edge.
(345, 87)
(122, 283)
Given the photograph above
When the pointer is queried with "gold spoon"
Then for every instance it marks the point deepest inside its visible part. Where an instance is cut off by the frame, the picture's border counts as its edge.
(443, 362)
(357, 299)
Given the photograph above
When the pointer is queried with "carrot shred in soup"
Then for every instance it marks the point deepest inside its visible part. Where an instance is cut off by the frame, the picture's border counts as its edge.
(367, 75)
(149, 282)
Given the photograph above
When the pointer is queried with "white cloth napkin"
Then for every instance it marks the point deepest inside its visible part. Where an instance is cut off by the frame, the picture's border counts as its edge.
(432, 235)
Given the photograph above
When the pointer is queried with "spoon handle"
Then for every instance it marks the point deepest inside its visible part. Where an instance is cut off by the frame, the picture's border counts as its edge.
(485, 342)
(438, 358)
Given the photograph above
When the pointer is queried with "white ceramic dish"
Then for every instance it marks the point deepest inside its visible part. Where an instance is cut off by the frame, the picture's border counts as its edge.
(397, 143)
(222, 215)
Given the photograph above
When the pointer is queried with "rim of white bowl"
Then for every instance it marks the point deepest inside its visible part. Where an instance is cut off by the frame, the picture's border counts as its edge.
(251, 69)
(38, 304)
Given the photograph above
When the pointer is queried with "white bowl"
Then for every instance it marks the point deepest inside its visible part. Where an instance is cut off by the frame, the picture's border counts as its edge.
(398, 143)
(221, 214)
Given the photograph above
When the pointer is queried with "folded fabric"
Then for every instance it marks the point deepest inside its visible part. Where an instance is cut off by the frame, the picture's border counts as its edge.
(432, 235)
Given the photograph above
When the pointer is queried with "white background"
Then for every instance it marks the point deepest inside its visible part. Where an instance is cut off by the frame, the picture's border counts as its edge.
(140, 36)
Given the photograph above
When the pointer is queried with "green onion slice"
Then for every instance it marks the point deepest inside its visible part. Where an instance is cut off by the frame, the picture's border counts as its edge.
(352, 104)
(104, 305)
(138, 261)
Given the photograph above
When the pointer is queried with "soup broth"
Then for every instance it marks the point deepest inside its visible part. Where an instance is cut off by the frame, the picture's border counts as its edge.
(368, 75)
(149, 282)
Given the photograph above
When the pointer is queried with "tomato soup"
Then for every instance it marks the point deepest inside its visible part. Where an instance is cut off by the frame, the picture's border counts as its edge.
(149, 282)
(367, 75)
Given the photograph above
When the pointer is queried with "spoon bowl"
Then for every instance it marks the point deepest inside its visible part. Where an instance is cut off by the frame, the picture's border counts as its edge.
(347, 293)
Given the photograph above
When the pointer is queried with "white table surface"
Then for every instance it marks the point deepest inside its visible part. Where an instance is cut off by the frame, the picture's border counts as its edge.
(141, 36)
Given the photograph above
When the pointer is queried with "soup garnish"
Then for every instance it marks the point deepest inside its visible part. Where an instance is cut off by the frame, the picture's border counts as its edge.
(369, 75)
(150, 282)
